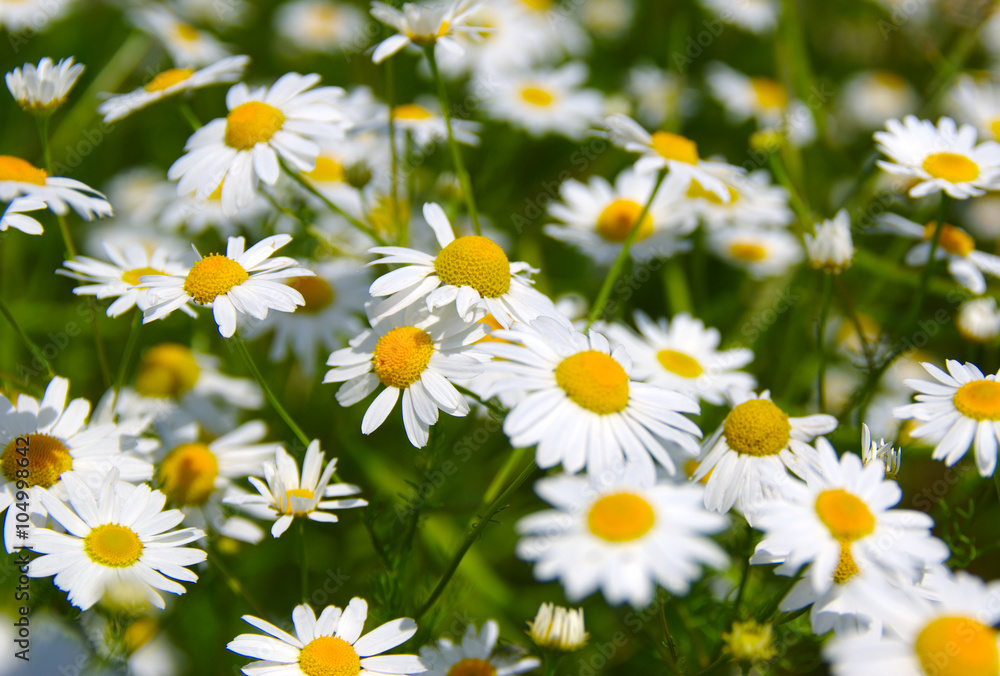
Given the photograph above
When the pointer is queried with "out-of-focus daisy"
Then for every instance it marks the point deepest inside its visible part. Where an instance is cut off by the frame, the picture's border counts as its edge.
(546, 101)
(762, 253)
(476, 654)
(246, 282)
(942, 157)
(329, 645)
(623, 533)
(607, 19)
(558, 628)
(872, 451)
(188, 46)
(284, 121)
(756, 16)
(869, 98)
(581, 405)
(982, 217)
(682, 355)
(212, 13)
(749, 455)
(287, 496)
(753, 201)
(120, 534)
(831, 247)
(43, 88)
(596, 217)
(424, 123)
(13, 215)
(170, 82)
(978, 320)
(320, 26)
(763, 99)
(21, 178)
(977, 102)
(422, 25)
(34, 15)
(658, 94)
(965, 263)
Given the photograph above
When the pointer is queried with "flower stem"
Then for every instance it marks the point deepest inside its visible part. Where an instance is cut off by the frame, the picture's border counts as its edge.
(133, 337)
(297, 177)
(233, 583)
(918, 298)
(824, 315)
(675, 285)
(390, 97)
(268, 394)
(189, 116)
(35, 350)
(305, 561)
(802, 209)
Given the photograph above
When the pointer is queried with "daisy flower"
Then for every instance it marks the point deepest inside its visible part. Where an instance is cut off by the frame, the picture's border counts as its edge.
(749, 455)
(965, 263)
(413, 352)
(582, 407)
(13, 215)
(21, 178)
(121, 535)
(264, 125)
(43, 88)
(33, 15)
(170, 82)
(472, 272)
(761, 253)
(287, 496)
(831, 247)
(558, 628)
(764, 100)
(188, 47)
(425, 125)
(682, 355)
(320, 26)
(960, 410)
(246, 282)
(753, 201)
(330, 644)
(476, 654)
(422, 25)
(869, 98)
(943, 157)
(624, 534)
(977, 103)
(756, 16)
(658, 94)
(978, 320)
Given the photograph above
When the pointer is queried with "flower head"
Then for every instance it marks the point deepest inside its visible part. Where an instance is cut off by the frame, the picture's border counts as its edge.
(558, 628)
(43, 88)
(831, 248)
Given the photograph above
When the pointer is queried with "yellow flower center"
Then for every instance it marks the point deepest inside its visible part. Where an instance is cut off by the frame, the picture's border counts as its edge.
(328, 170)
(889, 79)
(472, 667)
(769, 93)
(251, 123)
(691, 466)
(411, 111)
(677, 362)
(538, 5)
(846, 567)
(131, 277)
(979, 400)
(619, 219)
(187, 32)
(168, 78)
(594, 381)
(537, 96)
(139, 633)
(491, 322)
(745, 251)
(958, 646)
(425, 39)
(316, 291)
(47, 458)
(675, 147)
(846, 515)
(16, 169)
(187, 474)
(477, 262)
(113, 546)
(620, 517)
(951, 167)
(695, 190)
(329, 656)
(213, 276)
(951, 239)
(297, 493)
(402, 355)
(167, 370)
(750, 642)
(757, 427)
(995, 128)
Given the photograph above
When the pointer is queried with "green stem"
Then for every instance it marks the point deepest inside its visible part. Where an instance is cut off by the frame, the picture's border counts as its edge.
(456, 155)
(35, 350)
(675, 285)
(233, 583)
(268, 394)
(513, 460)
(856, 321)
(42, 121)
(802, 209)
(133, 337)
(616, 268)
(744, 577)
(772, 605)
(305, 560)
(297, 177)
(490, 404)
(824, 315)
(189, 116)
(666, 633)
(918, 298)
(390, 96)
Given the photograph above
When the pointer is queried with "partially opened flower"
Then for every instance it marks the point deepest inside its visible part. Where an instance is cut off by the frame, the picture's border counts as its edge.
(831, 248)
(423, 25)
(43, 88)
(558, 628)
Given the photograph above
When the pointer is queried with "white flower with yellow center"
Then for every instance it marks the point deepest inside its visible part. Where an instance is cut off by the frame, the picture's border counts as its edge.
(13, 215)
(424, 123)
(284, 121)
(43, 88)
(544, 101)
(580, 404)
(869, 98)
(558, 628)
(753, 201)
(750, 454)
(330, 645)
(831, 247)
(30, 15)
(682, 355)
(761, 253)
(188, 46)
(19, 178)
(977, 102)
(422, 25)
(121, 535)
(947, 627)
(320, 26)
(965, 263)
(942, 157)
(959, 411)
(756, 16)
(246, 282)
(658, 93)
(763, 99)
(978, 320)
(624, 534)
(472, 272)
(596, 217)
(171, 82)
(476, 655)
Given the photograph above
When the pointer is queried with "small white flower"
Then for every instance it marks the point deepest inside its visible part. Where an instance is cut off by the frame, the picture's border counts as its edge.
(869, 98)
(757, 16)
(320, 26)
(831, 248)
(558, 628)
(188, 46)
(978, 320)
(476, 654)
(422, 25)
(43, 88)
(30, 15)
(762, 253)
(753, 201)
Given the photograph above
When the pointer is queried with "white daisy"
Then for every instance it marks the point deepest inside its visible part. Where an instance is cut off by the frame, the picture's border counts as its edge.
(869, 98)
(582, 407)
(246, 282)
(658, 94)
(831, 247)
(607, 19)
(330, 644)
(43, 88)
(977, 102)
(476, 654)
(624, 533)
(978, 320)
(170, 82)
(750, 453)
(320, 26)
(753, 201)
(121, 535)
(682, 355)
(421, 25)
(20, 178)
(761, 253)
(188, 46)
(943, 157)
(13, 215)
(30, 15)
(284, 121)
(756, 16)
(558, 628)
(424, 123)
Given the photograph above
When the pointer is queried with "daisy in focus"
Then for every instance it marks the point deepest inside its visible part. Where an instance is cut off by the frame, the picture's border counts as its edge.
(43, 88)
(477, 653)
(831, 248)
(13, 215)
(558, 628)
(423, 25)
(761, 253)
(19, 178)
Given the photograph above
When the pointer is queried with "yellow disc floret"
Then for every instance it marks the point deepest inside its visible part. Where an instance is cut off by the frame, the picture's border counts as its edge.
(675, 147)
(328, 170)
(316, 291)
(187, 474)
(401, 355)
(594, 381)
(411, 111)
(846, 566)
(846, 515)
(680, 363)
(132, 276)
(769, 93)
(620, 517)
(168, 78)
(979, 400)
(696, 190)
(477, 262)
(951, 239)
(113, 546)
(16, 169)
(471, 666)
(44, 457)
(167, 370)
(619, 219)
(303, 493)
(958, 646)
(748, 252)
(537, 96)
(951, 167)
(213, 276)
(757, 427)
(251, 123)
(329, 656)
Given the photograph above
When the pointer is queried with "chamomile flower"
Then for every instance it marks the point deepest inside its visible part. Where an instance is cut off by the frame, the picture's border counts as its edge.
(558, 628)
(287, 495)
(472, 272)
(939, 157)
(188, 46)
(977, 102)
(319, 26)
(422, 25)
(658, 94)
(13, 215)
(831, 248)
(761, 253)
(750, 454)
(624, 534)
(171, 82)
(121, 534)
(34, 15)
(869, 98)
(978, 320)
(607, 19)
(756, 16)
(19, 178)
(476, 654)
(328, 645)
(43, 88)
(264, 125)
(753, 201)
(682, 355)
(581, 405)
(245, 282)
(424, 123)
(763, 99)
